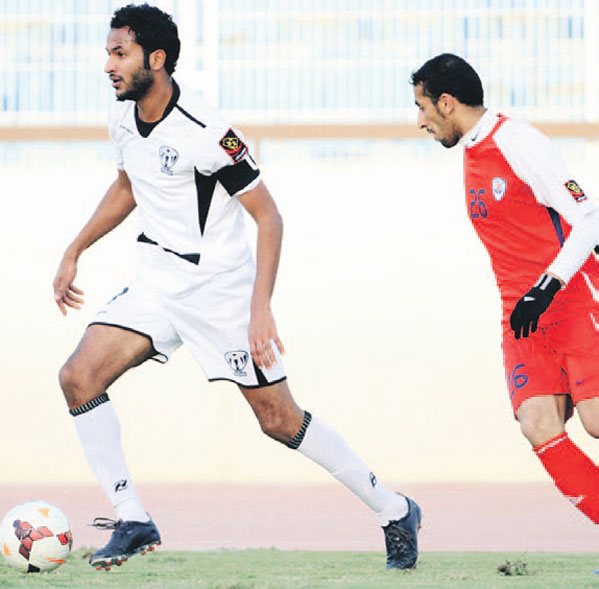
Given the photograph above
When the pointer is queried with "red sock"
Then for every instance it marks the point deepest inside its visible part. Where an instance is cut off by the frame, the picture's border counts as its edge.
(574, 474)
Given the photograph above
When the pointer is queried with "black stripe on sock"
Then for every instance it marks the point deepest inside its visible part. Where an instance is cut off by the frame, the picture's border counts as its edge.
(295, 442)
(99, 400)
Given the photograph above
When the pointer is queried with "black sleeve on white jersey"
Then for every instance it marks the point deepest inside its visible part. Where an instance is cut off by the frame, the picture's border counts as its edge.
(237, 176)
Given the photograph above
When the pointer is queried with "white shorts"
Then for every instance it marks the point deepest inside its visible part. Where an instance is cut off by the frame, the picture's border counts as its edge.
(171, 303)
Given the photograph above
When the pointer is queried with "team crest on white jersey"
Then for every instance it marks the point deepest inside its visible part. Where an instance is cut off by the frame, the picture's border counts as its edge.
(168, 158)
(237, 361)
(499, 186)
(575, 190)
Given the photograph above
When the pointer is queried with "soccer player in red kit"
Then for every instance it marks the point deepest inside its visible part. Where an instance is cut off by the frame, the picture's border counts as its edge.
(539, 229)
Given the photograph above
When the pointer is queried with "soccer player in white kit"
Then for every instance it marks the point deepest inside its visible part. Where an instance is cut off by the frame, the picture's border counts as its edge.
(190, 175)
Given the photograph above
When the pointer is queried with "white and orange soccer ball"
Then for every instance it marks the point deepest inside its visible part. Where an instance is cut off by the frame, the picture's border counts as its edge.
(35, 537)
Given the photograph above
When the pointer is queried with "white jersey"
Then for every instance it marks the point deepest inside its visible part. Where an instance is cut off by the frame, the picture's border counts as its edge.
(185, 172)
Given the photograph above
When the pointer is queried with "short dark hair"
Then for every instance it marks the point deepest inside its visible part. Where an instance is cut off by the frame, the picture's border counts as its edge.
(153, 30)
(448, 73)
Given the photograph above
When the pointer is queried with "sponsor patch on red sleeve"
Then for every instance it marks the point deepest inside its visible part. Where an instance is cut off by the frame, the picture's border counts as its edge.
(234, 146)
(575, 190)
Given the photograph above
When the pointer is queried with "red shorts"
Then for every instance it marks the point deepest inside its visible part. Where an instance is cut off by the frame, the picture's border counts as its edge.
(559, 359)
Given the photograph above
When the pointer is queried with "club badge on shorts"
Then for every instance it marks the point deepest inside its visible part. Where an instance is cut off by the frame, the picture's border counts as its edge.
(237, 361)
(168, 158)
(575, 190)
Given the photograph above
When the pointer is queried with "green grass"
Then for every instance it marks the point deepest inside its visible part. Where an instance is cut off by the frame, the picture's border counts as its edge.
(274, 569)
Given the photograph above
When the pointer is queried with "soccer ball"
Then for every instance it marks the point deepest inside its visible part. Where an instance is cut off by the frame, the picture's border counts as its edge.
(35, 537)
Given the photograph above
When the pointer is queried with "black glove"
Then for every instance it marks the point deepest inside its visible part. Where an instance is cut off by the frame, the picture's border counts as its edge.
(526, 313)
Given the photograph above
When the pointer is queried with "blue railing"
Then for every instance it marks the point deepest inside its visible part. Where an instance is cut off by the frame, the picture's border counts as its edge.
(341, 61)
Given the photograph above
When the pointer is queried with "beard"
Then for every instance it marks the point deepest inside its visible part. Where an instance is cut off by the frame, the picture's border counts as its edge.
(452, 135)
(142, 81)
(450, 140)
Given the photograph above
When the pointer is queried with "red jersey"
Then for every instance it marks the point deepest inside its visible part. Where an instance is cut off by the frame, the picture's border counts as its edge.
(518, 195)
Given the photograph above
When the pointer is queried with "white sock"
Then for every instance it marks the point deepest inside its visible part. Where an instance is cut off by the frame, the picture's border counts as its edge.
(323, 445)
(99, 432)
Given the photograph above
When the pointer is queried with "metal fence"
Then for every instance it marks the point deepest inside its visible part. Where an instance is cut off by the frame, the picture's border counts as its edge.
(309, 61)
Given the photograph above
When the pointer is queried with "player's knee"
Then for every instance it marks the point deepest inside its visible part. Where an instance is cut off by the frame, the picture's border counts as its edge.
(274, 424)
(592, 428)
(540, 429)
(66, 378)
(75, 385)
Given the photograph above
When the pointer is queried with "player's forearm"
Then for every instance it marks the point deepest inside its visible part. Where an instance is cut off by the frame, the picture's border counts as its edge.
(268, 253)
(113, 209)
(577, 248)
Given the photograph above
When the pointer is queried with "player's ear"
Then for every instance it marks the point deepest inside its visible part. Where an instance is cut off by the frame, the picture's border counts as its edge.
(157, 59)
(446, 103)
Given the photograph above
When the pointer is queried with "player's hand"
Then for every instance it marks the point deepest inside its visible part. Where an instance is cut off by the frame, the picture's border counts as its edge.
(525, 316)
(262, 333)
(66, 294)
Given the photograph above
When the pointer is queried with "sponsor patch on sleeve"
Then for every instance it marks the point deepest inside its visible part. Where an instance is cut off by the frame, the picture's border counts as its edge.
(234, 146)
(575, 190)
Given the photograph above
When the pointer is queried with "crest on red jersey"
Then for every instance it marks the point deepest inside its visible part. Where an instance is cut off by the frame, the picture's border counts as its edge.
(499, 186)
(575, 190)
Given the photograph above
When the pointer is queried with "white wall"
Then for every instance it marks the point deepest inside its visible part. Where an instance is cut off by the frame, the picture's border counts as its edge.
(385, 302)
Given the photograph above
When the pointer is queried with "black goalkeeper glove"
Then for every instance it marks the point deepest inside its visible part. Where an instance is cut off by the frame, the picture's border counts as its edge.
(526, 313)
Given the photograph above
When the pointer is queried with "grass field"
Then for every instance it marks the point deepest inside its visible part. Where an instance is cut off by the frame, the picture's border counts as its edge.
(270, 569)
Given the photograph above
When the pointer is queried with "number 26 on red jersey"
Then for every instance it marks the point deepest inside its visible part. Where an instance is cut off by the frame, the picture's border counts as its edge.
(478, 208)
